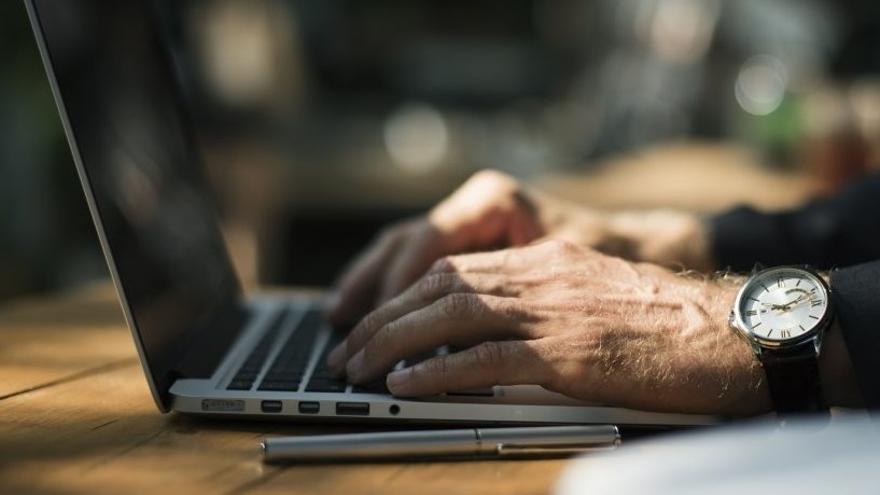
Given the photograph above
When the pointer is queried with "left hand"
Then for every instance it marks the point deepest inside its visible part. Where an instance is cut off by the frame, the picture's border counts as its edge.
(492, 211)
(570, 319)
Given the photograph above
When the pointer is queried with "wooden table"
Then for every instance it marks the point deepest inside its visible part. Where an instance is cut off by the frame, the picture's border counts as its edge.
(76, 417)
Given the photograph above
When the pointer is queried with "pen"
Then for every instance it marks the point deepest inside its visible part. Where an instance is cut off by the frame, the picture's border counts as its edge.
(538, 441)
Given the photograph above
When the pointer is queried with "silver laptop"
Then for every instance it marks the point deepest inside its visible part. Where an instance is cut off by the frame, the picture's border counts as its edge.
(204, 346)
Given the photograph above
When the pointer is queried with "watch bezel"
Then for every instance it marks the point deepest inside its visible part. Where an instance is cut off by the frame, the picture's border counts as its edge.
(815, 333)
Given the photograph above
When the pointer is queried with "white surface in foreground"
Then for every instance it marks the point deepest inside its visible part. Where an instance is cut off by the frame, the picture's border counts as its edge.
(805, 458)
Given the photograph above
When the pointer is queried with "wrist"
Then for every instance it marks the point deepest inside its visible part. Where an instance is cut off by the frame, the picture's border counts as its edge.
(669, 238)
(801, 376)
(749, 391)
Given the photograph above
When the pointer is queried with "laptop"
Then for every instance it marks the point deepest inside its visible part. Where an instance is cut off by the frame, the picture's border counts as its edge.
(207, 348)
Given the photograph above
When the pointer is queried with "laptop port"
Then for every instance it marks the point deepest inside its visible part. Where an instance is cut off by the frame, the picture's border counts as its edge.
(309, 407)
(352, 409)
(271, 406)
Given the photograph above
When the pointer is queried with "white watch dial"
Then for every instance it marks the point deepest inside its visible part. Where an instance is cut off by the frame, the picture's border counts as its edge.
(782, 304)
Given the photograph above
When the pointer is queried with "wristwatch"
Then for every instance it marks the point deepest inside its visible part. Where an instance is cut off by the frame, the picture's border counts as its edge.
(783, 312)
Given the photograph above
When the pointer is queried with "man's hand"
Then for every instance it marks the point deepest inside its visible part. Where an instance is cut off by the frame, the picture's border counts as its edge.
(570, 319)
(492, 211)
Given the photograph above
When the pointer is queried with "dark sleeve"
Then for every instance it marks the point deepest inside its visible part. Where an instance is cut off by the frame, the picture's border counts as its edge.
(856, 293)
(843, 230)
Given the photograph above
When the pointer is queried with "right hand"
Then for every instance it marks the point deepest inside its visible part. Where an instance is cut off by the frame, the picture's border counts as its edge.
(572, 320)
(494, 211)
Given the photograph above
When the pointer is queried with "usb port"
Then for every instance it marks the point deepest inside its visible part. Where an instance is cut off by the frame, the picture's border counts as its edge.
(309, 407)
(352, 409)
(271, 406)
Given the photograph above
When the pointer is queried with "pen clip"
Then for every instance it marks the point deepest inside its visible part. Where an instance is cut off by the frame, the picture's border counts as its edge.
(553, 450)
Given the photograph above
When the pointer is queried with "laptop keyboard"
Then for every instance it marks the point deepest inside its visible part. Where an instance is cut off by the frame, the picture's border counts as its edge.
(247, 374)
(290, 365)
(322, 379)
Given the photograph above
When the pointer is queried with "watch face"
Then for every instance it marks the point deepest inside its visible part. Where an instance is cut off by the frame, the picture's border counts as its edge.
(782, 304)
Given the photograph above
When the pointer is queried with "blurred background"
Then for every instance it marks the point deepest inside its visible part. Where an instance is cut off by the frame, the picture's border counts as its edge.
(319, 121)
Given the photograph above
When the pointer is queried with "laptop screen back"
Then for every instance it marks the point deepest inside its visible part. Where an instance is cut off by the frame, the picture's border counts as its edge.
(115, 86)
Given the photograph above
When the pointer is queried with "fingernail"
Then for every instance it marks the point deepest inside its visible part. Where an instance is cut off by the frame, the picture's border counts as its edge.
(336, 356)
(354, 368)
(397, 378)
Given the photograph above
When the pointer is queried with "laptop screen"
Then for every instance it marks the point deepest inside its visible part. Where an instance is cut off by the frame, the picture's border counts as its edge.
(116, 84)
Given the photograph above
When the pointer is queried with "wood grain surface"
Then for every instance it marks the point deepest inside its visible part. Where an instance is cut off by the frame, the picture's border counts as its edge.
(76, 417)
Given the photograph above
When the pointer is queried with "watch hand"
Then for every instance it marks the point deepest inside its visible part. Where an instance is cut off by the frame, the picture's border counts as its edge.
(799, 300)
(775, 306)
(787, 306)
(799, 303)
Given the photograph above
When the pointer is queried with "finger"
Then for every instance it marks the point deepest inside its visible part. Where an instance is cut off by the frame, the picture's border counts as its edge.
(488, 209)
(412, 260)
(357, 287)
(507, 261)
(421, 294)
(488, 364)
(457, 319)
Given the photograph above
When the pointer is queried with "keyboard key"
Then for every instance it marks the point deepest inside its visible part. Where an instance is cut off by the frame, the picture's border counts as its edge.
(326, 385)
(288, 386)
(474, 392)
(245, 376)
(322, 379)
(377, 387)
(277, 376)
(290, 364)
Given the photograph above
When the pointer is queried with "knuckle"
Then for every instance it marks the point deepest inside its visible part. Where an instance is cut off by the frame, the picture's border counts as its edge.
(438, 368)
(434, 284)
(357, 338)
(382, 339)
(456, 305)
(562, 246)
(490, 175)
(442, 265)
(493, 180)
(489, 354)
(366, 326)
